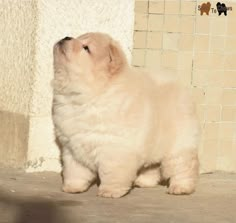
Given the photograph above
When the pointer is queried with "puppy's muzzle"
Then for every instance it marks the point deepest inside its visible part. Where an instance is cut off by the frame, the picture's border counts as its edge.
(60, 46)
(67, 38)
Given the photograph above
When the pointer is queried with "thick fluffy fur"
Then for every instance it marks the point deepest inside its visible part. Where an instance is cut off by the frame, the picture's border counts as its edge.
(123, 126)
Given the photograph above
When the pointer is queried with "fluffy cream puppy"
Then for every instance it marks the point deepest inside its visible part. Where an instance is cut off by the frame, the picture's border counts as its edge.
(121, 126)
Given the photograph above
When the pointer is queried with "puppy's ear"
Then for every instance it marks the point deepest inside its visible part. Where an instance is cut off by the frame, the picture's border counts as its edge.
(117, 58)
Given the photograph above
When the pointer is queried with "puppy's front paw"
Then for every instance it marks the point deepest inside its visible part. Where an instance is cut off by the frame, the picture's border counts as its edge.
(112, 192)
(181, 189)
(75, 187)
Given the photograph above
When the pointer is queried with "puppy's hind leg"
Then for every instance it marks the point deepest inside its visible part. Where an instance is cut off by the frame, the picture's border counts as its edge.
(76, 177)
(182, 171)
(148, 177)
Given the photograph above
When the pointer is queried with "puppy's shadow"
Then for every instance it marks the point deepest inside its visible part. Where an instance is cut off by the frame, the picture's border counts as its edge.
(35, 209)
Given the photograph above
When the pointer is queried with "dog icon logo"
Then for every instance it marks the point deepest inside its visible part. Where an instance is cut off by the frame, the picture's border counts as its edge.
(221, 8)
(205, 8)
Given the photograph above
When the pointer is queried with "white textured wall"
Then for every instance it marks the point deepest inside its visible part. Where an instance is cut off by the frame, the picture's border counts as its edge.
(55, 20)
(18, 21)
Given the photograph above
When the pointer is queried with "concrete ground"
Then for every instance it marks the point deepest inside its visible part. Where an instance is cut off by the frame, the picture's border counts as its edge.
(31, 198)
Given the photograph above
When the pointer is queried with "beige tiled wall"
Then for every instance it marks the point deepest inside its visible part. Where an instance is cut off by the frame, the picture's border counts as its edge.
(202, 51)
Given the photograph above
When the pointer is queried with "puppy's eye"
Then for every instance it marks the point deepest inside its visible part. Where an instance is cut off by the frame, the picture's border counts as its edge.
(86, 48)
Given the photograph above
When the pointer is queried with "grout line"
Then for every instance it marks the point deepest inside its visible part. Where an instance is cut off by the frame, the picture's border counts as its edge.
(193, 50)
(146, 39)
(224, 56)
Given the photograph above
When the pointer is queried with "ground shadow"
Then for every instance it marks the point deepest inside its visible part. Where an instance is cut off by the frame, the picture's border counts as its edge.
(36, 209)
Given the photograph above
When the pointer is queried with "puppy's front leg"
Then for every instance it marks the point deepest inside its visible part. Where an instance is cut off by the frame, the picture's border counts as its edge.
(182, 171)
(76, 177)
(117, 175)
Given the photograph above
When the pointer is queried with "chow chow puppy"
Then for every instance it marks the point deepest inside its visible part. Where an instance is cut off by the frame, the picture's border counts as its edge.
(118, 125)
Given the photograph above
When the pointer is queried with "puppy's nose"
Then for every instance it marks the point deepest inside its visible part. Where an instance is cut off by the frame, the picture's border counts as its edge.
(64, 39)
(67, 38)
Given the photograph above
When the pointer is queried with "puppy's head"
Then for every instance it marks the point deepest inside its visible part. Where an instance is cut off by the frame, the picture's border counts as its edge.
(88, 59)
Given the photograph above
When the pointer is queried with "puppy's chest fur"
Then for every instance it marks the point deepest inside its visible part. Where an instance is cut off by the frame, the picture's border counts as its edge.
(88, 128)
